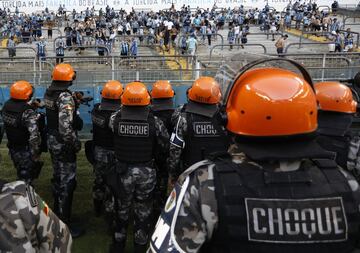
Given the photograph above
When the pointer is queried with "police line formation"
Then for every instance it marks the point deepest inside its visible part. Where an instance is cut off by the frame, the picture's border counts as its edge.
(270, 166)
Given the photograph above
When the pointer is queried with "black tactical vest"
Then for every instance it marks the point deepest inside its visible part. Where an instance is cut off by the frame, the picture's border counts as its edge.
(102, 134)
(312, 209)
(52, 111)
(335, 134)
(338, 144)
(134, 129)
(165, 117)
(163, 109)
(205, 135)
(16, 131)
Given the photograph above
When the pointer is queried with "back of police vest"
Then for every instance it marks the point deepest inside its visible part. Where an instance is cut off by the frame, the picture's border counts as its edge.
(308, 210)
(16, 131)
(134, 129)
(102, 134)
(205, 135)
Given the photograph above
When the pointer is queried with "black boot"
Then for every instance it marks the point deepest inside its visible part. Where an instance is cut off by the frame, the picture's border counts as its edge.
(63, 206)
(75, 230)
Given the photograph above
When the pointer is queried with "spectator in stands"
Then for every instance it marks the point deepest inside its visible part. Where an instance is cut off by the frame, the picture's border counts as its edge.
(41, 49)
(124, 49)
(326, 22)
(280, 44)
(11, 47)
(335, 7)
(209, 33)
(68, 31)
(243, 37)
(348, 41)
(338, 41)
(60, 52)
(100, 49)
(192, 45)
(134, 48)
(231, 37)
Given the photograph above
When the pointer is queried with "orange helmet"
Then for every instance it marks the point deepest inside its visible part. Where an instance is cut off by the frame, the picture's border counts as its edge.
(271, 102)
(63, 72)
(336, 97)
(112, 90)
(162, 89)
(205, 90)
(21, 90)
(135, 94)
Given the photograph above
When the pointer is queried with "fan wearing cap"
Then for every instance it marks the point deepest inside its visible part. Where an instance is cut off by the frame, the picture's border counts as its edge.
(63, 122)
(198, 127)
(336, 111)
(162, 105)
(276, 191)
(138, 136)
(102, 146)
(22, 130)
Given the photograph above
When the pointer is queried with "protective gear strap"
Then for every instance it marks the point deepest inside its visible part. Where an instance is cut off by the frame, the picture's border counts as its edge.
(175, 139)
(32, 196)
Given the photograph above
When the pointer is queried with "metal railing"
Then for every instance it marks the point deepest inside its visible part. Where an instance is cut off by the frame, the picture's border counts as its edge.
(238, 46)
(305, 43)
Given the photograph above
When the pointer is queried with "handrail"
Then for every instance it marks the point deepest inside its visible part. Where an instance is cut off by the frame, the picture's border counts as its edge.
(234, 45)
(21, 47)
(306, 43)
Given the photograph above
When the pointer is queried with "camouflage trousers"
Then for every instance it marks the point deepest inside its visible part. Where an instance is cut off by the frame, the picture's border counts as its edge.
(23, 162)
(134, 188)
(104, 161)
(64, 164)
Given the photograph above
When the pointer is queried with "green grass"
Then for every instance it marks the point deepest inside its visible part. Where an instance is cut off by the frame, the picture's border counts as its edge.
(97, 238)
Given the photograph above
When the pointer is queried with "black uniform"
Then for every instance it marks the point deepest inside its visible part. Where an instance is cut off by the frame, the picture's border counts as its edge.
(163, 109)
(63, 123)
(22, 130)
(103, 153)
(335, 134)
(262, 203)
(199, 131)
(138, 135)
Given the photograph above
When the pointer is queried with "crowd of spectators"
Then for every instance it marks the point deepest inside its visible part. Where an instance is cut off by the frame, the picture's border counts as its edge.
(184, 28)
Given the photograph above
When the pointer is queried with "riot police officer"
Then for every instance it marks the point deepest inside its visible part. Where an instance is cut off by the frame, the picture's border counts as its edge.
(63, 122)
(22, 130)
(138, 135)
(198, 127)
(277, 191)
(336, 111)
(27, 223)
(162, 104)
(103, 144)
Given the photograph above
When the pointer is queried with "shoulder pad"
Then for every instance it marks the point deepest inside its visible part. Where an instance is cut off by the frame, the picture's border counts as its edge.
(325, 163)
(176, 141)
(32, 196)
(192, 169)
(15, 188)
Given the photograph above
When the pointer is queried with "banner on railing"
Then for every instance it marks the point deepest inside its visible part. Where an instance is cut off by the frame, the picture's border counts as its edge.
(29, 6)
